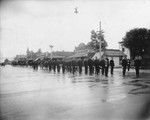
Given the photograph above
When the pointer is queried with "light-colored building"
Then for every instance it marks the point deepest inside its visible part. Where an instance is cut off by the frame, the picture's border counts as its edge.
(124, 50)
(83, 53)
(116, 54)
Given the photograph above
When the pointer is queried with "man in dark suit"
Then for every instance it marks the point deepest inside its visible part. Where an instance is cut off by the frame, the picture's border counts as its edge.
(102, 64)
(137, 64)
(96, 65)
(112, 64)
(124, 65)
(106, 66)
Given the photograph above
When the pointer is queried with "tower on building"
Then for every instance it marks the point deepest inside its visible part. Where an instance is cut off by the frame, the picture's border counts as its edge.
(27, 52)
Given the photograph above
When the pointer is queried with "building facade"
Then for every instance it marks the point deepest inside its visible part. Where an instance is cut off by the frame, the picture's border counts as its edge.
(125, 50)
(114, 54)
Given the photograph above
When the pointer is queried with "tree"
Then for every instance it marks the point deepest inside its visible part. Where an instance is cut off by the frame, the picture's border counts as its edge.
(81, 46)
(138, 41)
(39, 51)
(6, 61)
(94, 43)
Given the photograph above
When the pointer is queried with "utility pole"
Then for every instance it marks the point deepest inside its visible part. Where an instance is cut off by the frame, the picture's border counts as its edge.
(100, 33)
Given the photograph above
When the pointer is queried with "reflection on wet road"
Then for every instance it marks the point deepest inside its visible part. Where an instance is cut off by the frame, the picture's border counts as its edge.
(42, 95)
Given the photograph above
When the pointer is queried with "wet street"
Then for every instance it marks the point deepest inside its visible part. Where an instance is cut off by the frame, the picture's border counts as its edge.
(26, 94)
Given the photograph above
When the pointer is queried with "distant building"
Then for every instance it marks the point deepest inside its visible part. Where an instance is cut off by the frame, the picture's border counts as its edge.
(30, 54)
(20, 57)
(82, 51)
(63, 53)
(83, 54)
(116, 54)
(124, 50)
(60, 54)
(145, 55)
(55, 55)
(34, 55)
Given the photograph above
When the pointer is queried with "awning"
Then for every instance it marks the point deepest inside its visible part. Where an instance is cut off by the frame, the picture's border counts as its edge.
(109, 53)
(114, 53)
(77, 55)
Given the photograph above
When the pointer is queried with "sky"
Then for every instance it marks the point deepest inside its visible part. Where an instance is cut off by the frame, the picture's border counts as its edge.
(37, 24)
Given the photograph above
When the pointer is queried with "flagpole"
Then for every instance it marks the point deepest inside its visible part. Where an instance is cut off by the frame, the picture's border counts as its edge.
(51, 51)
(100, 40)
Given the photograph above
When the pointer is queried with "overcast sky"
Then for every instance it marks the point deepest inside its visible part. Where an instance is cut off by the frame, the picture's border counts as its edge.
(36, 24)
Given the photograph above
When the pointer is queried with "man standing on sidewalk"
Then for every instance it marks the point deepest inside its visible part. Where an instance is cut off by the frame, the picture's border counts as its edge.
(137, 64)
(86, 65)
(102, 64)
(96, 65)
(128, 64)
(80, 63)
(124, 65)
(90, 64)
(106, 66)
(112, 66)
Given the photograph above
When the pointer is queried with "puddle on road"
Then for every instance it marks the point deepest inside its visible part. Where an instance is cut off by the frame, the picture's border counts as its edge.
(140, 85)
(78, 80)
(115, 98)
